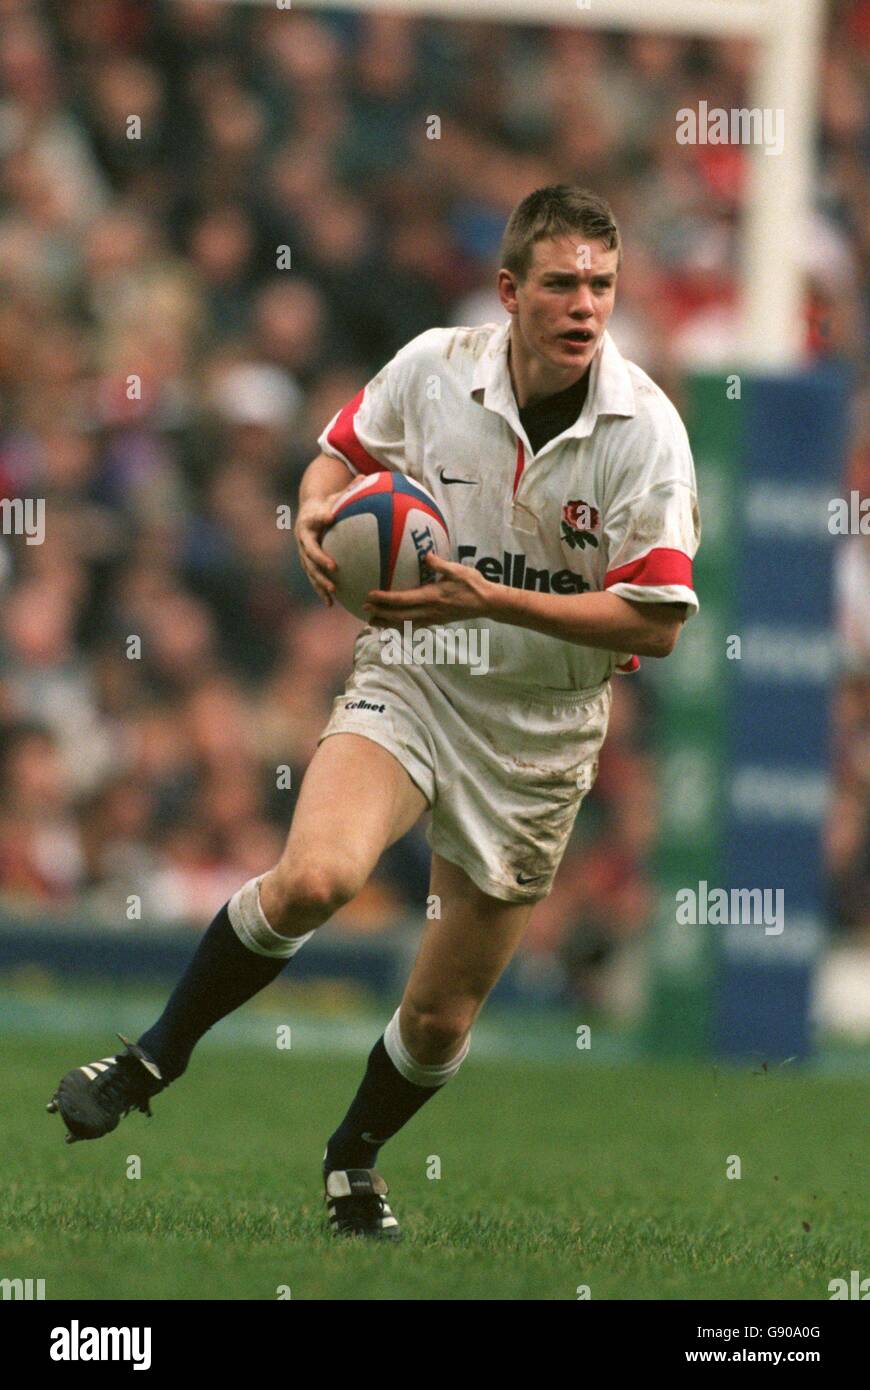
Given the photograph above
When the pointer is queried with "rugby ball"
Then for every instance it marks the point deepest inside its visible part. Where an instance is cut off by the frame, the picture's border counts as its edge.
(382, 527)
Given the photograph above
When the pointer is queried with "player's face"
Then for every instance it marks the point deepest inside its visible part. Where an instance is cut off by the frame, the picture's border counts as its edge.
(562, 307)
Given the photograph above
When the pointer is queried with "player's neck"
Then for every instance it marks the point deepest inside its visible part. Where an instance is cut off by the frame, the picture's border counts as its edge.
(534, 380)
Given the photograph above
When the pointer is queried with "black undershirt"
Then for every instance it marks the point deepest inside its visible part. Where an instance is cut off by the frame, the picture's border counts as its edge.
(549, 417)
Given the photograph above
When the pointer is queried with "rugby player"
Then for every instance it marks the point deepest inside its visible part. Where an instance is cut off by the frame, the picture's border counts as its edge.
(567, 480)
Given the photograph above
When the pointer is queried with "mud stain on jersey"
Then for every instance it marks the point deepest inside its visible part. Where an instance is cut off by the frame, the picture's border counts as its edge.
(646, 529)
(470, 340)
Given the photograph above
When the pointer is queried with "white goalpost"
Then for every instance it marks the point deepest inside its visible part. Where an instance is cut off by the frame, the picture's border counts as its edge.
(777, 220)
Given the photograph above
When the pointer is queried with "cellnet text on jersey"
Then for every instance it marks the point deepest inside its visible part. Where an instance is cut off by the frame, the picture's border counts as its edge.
(512, 570)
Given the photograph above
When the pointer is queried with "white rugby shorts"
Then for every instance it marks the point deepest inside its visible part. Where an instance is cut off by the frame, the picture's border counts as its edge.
(504, 768)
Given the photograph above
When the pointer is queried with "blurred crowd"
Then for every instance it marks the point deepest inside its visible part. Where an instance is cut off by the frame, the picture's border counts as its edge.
(216, 222)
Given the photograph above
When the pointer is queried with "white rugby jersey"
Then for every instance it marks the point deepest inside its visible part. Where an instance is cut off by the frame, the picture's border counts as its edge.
(610, 503)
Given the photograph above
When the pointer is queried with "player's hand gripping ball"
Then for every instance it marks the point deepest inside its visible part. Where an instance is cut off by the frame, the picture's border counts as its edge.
(383, 527)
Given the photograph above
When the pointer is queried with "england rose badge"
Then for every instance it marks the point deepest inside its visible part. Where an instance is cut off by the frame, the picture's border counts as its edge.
(579, 521)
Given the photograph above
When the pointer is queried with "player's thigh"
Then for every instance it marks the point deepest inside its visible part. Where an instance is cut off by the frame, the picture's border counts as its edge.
(463, 951)
(356, 799)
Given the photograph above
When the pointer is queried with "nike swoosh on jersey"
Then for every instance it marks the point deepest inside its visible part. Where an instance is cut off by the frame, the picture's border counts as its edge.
(469, 482)
(527, 878)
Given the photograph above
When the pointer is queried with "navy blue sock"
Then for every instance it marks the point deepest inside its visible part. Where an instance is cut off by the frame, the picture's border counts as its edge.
(222, 975)
(385, 1101)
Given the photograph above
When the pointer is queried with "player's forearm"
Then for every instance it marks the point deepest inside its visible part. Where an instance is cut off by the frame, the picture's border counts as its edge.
(604, 621)
(323, 476)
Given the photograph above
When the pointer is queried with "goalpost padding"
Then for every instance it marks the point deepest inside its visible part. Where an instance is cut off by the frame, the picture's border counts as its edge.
(744, 729)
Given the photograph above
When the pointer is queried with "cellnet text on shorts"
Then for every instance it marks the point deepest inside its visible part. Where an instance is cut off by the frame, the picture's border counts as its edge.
(436, 646)
(737, 907)
(77, 1343)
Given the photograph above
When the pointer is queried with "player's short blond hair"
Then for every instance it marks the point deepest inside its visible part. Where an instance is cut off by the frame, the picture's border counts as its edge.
(559, 210)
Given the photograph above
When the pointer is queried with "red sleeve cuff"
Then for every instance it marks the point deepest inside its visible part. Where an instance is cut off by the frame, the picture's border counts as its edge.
(342, 437)
(657, 567)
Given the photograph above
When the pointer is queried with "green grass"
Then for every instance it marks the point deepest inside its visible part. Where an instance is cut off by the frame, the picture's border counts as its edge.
(553, 1174)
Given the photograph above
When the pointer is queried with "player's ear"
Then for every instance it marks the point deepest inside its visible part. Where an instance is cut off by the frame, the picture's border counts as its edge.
(507, 289)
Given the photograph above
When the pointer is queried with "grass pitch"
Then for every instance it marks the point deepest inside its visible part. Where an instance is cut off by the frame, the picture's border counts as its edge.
(553, 1175)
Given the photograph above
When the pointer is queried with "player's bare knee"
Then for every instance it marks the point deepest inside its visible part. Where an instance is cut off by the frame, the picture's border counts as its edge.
(308, 894)
(440, 1031)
